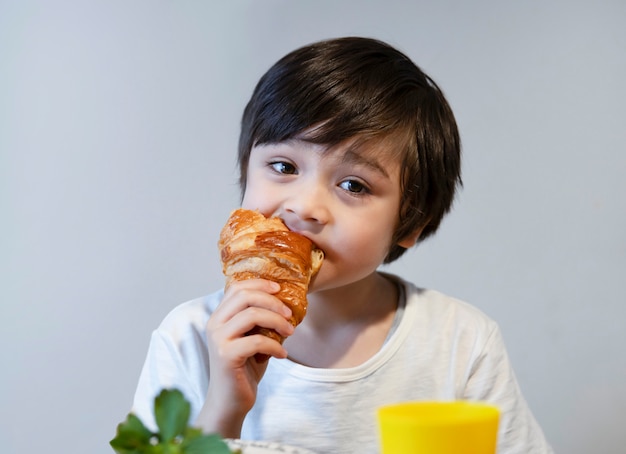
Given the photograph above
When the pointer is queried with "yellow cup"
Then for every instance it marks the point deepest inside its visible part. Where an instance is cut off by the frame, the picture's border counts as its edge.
(457, 427)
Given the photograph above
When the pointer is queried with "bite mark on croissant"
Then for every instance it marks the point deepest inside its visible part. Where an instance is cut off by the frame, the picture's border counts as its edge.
(253, 246)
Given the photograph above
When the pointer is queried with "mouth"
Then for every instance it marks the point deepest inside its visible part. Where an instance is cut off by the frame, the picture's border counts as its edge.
(303, 233)
(314, 244)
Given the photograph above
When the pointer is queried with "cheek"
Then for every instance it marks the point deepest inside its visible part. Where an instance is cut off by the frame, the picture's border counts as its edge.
(256, 195)
(367, 243)
(248, 200)
(263, 200)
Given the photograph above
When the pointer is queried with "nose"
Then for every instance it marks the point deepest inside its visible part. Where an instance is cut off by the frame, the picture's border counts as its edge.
(308, 206)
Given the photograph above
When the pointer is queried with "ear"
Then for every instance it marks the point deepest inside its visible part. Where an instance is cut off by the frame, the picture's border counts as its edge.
(409, 241)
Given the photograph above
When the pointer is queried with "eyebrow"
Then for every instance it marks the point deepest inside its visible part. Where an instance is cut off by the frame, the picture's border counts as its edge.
(353, 157)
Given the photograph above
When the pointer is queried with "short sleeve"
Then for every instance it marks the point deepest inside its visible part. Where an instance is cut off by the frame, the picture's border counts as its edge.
(492, 380)
(177, 358)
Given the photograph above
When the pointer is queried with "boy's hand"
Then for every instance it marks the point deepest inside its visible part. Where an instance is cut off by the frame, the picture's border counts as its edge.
(234, 372)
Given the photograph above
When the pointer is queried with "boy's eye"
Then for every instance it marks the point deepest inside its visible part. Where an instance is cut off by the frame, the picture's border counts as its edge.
(283, 167)
(353, 186)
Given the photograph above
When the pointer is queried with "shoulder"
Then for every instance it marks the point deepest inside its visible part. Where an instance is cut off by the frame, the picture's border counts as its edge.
(190, 317)
(436, 306)
(458, 339)
(444, 323)
(177, 356)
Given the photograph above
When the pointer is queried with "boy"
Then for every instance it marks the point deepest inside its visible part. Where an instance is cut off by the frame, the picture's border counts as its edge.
(354, 147)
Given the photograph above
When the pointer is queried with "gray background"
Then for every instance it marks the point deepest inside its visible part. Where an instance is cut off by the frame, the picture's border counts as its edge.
(118, 127)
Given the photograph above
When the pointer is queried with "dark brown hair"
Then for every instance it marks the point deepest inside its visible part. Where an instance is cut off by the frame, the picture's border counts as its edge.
(363, 88)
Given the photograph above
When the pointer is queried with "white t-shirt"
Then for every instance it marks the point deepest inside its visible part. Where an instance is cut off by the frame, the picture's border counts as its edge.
(440, 349)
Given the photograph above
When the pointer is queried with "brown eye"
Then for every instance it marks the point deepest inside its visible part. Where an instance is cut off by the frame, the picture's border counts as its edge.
(353, 187)
(283, 167)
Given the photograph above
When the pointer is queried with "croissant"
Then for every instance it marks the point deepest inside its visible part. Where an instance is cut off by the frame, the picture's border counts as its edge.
(253, 246)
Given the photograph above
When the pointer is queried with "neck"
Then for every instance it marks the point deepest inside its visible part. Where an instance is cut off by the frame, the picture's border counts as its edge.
(347, 325)
(359, 301)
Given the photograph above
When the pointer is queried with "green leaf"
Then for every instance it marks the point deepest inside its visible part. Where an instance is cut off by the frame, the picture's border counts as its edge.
(192, 432)
(204, 444)
(171, 411)
(175, 436)
(171, 448)
(132, 436)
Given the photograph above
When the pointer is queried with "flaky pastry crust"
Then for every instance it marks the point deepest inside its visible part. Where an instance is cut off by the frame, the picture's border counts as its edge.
(253, 246)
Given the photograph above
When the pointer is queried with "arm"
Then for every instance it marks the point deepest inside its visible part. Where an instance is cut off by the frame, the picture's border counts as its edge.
(207, 357)
(234, 370)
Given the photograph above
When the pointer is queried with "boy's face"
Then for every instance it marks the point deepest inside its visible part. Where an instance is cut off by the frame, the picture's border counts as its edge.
(345, 201)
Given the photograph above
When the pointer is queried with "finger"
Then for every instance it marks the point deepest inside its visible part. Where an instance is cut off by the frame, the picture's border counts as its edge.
(235, 353)
(224, 337)
(256, 283)
(258, 346)
(242, 322)
(250, 293)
